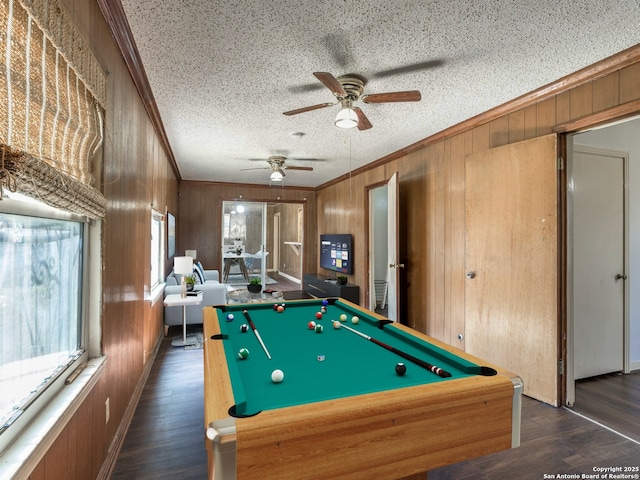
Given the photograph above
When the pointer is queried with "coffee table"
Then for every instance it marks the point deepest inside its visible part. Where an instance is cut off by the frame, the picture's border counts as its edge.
(242, 295)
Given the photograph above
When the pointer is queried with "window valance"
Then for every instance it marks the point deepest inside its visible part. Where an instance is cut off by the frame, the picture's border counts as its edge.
(41, 181)
(52, 94)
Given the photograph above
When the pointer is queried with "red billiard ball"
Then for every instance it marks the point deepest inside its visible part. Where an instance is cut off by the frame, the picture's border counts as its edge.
(318, 315)
(275, 306)
(311, 325)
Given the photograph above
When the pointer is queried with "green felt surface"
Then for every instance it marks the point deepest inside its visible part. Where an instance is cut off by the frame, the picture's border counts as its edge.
(352, 365)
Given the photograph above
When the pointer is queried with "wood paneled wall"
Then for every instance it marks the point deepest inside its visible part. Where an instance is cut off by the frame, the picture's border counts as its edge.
(432, 185)
(199, 219)
(137, 176)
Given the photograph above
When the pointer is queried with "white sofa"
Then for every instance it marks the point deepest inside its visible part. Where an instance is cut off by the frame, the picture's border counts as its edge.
(213, 293)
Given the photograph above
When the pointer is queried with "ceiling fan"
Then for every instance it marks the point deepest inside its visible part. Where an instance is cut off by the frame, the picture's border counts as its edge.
(349, 89)
(277, 167)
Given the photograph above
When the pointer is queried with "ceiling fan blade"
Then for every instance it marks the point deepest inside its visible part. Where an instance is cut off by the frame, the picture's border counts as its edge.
(290, 167)
(363, 121)
(409, 68)
(331, 83)
(256, 168)
(308, 109)
(408, 96)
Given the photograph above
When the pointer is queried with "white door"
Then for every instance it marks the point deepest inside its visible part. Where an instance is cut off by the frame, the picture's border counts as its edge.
(393, 275)
(598, 261)
(276, 242)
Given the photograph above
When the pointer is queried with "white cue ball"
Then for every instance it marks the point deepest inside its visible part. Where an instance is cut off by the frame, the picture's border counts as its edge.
(277, 376)
(355, 319)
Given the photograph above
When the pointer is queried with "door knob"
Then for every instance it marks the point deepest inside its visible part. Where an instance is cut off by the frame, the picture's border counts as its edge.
(396, 265)
(621, 276)
(471, 275)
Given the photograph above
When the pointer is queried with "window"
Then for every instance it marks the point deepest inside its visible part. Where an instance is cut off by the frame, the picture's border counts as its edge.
(157, 249)
(42, 330)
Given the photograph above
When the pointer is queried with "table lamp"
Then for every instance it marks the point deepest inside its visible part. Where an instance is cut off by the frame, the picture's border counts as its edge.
(183, 266)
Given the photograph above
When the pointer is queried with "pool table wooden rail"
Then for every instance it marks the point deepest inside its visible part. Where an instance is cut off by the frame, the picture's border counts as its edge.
(385, 435)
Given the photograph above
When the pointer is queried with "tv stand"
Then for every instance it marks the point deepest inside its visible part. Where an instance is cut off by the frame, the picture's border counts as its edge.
(322, 286)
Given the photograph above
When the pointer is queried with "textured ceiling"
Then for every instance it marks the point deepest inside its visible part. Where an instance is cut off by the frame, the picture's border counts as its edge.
(222, 72)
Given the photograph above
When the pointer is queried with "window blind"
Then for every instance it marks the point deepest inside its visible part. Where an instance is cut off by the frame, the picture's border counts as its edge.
(52, 93)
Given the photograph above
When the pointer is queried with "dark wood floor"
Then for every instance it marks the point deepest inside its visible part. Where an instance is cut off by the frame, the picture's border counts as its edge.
(166, 437)
(284, 284)
(612, 400)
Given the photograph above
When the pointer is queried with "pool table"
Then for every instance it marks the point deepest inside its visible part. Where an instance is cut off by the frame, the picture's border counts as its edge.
(342, 411)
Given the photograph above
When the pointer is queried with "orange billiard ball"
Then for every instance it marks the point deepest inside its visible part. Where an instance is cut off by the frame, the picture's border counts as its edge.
(280, 309)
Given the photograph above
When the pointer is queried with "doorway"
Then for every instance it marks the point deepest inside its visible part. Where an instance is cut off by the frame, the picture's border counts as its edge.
(244, 242)
(264, 240)
(620, 145)
(384, 268)
(378, 246)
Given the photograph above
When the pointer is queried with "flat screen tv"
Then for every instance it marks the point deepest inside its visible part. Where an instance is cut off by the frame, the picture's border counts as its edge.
(336, 253)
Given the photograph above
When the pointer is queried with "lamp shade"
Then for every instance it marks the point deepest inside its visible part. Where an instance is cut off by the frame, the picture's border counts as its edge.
(276, 177)
(346, 118)
(183, 265)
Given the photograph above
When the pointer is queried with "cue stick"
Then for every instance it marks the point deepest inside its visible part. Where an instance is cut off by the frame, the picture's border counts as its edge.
(256, 333)
(432, 368)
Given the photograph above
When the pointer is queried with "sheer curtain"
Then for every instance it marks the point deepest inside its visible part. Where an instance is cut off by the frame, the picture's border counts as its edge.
(40, 302)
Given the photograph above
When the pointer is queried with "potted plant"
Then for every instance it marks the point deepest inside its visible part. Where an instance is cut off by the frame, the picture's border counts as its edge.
(342, 280)
(254, 285)
(190, 281)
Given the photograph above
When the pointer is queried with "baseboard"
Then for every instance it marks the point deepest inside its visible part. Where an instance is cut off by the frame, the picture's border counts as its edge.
(289, 277)
(118, 440)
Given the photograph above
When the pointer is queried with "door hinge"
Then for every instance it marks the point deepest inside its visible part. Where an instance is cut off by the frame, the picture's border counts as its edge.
(560, 367)
(560, 163)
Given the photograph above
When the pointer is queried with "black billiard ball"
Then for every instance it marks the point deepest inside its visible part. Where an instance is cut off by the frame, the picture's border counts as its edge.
(401, 369)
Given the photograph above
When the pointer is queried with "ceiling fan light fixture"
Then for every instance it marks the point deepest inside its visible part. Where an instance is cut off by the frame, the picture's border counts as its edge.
(276, 176)
(346, 117)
